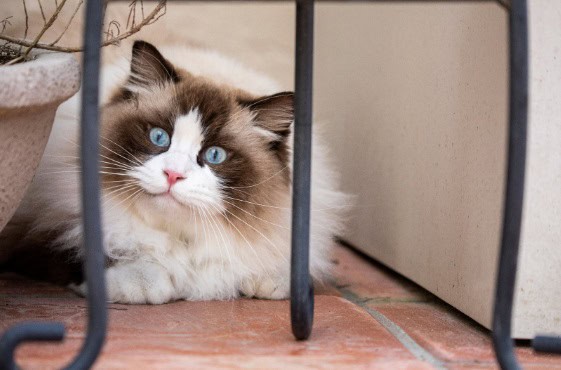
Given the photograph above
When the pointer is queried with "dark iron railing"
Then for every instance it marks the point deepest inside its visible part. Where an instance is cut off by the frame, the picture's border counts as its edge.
(302, 299)
(514, 186)
(94, 263)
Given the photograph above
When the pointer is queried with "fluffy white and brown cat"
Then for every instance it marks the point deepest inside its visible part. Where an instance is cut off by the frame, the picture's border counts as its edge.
(196, 184)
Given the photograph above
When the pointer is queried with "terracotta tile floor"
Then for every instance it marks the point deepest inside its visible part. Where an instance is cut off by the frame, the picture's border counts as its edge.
(368, 318)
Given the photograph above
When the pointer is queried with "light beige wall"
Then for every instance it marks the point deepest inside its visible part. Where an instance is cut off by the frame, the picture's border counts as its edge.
(417, 116)
(415, 97)
(538, 302)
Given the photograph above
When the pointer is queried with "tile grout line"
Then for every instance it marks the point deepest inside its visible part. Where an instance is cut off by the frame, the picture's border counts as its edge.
(404, 338)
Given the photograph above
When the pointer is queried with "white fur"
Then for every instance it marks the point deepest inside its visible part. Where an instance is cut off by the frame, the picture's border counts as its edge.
(164, 250)
(200, 187)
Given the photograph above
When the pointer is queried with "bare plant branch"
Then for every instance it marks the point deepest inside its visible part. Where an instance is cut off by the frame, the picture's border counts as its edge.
(113, 25)
(164, 11)
(47, 26)
(26, 20)
(16, 41)
(15, 60)
(5, 23)
(42, 12)
(68, 24)
(132, 14)
(114, 30)
(151, 18)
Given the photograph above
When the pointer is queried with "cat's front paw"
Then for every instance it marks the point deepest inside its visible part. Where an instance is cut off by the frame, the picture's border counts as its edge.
(266, 288)
(136, 283)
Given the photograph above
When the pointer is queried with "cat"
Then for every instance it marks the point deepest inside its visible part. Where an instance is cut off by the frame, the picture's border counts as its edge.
(195, 169)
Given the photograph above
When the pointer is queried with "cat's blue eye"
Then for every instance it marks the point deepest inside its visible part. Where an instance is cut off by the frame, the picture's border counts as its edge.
(215, 155)
(159, 137)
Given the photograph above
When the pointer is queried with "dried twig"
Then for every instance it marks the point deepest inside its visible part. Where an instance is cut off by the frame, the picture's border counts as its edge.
(164, 7)
(151, 18)
(105, 4)
(112, 25)
(26, 21)
(158, 11)
(5, 23)
(15, 60)
(68, 24)
(42, 12)
(47, 26)
(132, 14)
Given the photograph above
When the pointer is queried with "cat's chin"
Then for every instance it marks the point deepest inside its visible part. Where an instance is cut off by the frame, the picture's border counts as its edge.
(166, 199)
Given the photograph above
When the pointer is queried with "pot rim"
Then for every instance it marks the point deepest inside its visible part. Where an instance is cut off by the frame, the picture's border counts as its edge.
(50, 78)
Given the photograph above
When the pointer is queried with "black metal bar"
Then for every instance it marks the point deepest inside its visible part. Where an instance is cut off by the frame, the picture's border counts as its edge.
(93, 240)
(547, 344)
(25, 332)
(518, 116)
(301, 288)
(94, 263)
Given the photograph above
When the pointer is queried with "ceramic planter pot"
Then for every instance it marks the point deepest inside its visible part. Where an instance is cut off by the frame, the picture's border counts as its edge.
(30, 94)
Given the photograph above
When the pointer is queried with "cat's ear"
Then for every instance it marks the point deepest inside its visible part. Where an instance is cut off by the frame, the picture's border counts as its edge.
(149, 67)
(274, 114)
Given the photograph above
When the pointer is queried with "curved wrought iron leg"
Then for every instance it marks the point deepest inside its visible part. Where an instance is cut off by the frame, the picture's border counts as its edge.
(26, 332)
(301, 288)
(508, 260)
(518, 116)
(89, 141)
(94, 265)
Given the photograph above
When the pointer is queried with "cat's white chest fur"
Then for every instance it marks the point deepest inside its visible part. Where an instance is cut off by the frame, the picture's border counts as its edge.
(200, 261)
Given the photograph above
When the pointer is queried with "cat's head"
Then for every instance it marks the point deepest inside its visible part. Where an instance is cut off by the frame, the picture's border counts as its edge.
(177, 142)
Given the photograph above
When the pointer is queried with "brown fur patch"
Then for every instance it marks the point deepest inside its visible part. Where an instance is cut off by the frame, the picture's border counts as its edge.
(35, 256)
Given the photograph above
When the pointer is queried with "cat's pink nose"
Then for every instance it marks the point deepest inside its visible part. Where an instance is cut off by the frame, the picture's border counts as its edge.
(173, 177)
